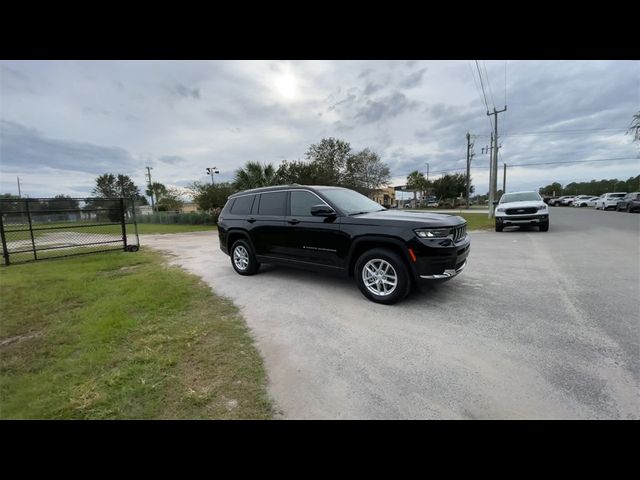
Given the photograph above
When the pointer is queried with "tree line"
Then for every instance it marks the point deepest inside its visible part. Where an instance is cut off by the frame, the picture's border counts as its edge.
(331, 162)
(594, 187)
(446, 187)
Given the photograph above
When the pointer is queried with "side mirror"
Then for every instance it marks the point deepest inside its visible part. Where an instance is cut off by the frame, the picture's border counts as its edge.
(322, 211)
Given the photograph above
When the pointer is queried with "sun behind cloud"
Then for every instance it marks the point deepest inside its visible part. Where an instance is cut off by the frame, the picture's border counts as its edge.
(286, 85)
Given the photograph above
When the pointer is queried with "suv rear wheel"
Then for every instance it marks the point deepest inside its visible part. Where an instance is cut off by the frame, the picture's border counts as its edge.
(243, 259)
(382, 276)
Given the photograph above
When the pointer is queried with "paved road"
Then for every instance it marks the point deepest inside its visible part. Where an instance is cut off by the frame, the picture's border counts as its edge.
(539, 325)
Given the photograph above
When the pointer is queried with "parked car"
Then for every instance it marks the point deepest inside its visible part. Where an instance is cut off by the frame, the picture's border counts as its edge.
(582, 200)
(522, 208)
(549, 200)
(566, 201)
(554, 202)
(432, 202)
(630, 203)
(338, 230)
(609, 200)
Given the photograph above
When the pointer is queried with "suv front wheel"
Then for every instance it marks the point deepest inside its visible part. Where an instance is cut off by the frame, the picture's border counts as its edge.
(382, 276)
(243, 259)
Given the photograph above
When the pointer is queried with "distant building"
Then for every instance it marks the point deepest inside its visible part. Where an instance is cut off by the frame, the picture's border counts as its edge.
(385, 197)
(189, 207)
(144, 210)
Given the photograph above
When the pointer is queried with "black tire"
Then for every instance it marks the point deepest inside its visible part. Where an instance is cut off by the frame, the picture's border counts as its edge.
(629, 208)
(617, 208)
(544, 227)
(252, 265)
(499, 228)
(403, 279)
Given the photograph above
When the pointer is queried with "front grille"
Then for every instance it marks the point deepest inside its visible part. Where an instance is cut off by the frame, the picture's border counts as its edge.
(521, 211)
(458, 233)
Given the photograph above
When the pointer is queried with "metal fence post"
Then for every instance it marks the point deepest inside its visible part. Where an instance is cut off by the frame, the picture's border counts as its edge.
(33, 242)
(135, 222)
(124, 225)
(5, 252)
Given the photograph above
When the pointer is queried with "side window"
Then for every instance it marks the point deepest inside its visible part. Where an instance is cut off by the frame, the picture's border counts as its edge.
(301, 203)
(272, 203)
(242, 205)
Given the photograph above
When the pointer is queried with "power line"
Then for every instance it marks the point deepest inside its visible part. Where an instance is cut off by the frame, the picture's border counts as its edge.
(484, 96)
(562, 132)
(484, 65)
(531, 164)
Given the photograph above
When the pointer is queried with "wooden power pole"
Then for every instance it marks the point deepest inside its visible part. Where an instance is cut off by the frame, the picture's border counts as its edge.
(493, 175)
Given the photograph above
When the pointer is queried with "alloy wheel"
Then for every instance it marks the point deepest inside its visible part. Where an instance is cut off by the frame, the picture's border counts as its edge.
(241, 257)
(379, 277)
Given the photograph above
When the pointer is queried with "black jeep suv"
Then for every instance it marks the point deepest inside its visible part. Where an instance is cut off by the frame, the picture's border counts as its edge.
(338, 230)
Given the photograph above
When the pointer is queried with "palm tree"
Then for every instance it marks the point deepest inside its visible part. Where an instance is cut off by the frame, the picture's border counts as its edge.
(156, 190)
(254, 175)
(416, 182)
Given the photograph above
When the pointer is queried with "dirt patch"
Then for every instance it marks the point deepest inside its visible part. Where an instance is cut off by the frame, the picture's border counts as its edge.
(19, 338)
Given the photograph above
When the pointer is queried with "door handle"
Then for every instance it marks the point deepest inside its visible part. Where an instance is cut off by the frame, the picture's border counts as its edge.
(293, 221)
(251, 220)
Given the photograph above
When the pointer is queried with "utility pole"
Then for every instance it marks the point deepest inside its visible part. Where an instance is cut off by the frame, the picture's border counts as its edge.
(153, 208)
(504, 180)
(469, 157)
(493, 183)
(19, 192)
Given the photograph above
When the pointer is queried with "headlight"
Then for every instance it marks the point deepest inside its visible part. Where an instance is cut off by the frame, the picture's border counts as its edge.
(432, 232)
(542, 207)
(500, 210)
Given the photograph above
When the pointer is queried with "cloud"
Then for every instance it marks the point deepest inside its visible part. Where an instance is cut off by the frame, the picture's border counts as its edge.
(30, 150)
(413, 79)
(171, 159)
(371, 88)
(384, 108)
(13, 80)
(182, 91)
(64, 122)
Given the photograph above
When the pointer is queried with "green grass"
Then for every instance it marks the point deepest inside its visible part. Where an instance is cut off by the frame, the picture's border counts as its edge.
(14, 232)
(144, 228)
(123, 335)
(475, 220)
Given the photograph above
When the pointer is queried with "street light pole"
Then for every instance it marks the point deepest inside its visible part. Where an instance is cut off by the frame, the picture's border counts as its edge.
(211, 171)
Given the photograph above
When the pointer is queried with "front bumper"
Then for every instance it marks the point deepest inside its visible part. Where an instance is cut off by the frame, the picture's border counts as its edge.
(534, 219)
(448, 273)
(436, 259)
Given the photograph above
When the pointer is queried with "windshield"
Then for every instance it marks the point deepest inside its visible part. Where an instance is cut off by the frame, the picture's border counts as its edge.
(519, 197)
(351, 202)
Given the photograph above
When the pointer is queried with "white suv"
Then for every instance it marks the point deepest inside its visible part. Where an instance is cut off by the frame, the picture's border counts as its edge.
(609, 200)
(522, 208)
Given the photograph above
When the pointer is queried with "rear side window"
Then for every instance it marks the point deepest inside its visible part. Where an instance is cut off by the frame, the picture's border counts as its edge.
(242, 205)
(272, 203)
(301, 203)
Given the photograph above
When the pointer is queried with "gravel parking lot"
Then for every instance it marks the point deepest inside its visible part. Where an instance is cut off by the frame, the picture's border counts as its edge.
(539, 325)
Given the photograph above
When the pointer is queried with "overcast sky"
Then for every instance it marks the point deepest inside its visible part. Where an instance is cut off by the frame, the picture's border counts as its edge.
(65, 122)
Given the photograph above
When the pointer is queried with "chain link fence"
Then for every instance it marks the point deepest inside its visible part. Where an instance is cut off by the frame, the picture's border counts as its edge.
(39, 228)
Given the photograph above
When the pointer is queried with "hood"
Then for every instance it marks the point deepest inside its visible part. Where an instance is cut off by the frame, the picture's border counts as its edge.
(417, 219)
(521, 204)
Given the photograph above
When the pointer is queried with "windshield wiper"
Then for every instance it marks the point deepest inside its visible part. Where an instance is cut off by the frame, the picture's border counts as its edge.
(368, 211)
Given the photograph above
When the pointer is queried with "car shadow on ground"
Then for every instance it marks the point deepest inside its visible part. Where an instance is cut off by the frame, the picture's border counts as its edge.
(435, 293)
(294, 273)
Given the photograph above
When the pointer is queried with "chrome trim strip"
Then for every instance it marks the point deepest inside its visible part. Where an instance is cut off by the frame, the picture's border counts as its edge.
(446, 274)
